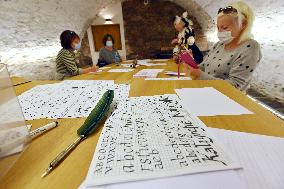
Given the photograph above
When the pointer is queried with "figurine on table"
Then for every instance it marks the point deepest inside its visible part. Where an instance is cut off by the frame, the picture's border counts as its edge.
(185, 40)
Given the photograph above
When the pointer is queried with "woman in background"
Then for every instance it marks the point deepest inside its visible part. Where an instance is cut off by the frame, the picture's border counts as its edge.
(66, 65)
(108, 53)
(236, 55)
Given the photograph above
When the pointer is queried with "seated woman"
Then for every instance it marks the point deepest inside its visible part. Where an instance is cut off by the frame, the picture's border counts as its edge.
(66, 63)
(108, 53)
(236, 55)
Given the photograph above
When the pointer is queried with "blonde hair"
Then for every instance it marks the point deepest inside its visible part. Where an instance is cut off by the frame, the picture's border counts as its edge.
(244, 13)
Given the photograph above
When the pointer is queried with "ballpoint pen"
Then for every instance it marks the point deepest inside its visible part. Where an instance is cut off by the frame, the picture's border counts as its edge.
(39, 131)
(14, 138)
(90, 125)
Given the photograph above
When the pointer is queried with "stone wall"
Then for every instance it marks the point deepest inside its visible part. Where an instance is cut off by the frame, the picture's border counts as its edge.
(85, 52)
(30, 29)
(150, 27)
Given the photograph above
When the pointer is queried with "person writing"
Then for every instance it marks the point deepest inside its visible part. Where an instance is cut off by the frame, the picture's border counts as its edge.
(66, 62)
(108, 53)
(236, 55)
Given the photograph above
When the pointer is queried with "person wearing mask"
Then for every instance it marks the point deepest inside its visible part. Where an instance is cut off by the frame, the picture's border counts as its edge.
(108, 53)
(66, 61)
(235, 57)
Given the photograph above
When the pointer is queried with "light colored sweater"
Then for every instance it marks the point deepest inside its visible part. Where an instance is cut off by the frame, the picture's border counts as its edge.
(235, 66)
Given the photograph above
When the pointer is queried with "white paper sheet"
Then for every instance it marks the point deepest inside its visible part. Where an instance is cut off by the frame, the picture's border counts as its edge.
(209, 102)
(68, 99)
(121, 70)
(260, 156)
(211, 180)
(170, 78)
(143, 62)
(155, 64)
(154, 137)
(147, 62)
(148, 73)
(174, 73)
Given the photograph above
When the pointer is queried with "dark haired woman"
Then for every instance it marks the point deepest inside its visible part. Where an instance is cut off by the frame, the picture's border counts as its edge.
(108, 53)
(66, 65)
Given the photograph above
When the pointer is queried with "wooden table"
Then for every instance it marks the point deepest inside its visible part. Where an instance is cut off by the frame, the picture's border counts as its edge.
(19, 80)
(26, 173)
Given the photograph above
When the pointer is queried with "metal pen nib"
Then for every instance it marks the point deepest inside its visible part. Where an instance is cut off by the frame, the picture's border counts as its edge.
(62, 155)
(48, 170)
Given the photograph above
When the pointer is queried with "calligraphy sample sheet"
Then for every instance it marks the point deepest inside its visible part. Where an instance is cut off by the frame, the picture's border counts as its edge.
(147, 73)
(154, 137)
(120, 70)
(169, 78)
(147, 62)
(68, 99)
(261, 158)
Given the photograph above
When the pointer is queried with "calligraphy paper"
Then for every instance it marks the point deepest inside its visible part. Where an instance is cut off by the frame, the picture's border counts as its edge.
(169, 78)
(68, 99)
(260, 156)
(147, 73)
(121, 70)
(154, 137)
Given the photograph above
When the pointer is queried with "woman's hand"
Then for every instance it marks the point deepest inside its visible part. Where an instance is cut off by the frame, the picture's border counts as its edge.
(188, 51)
(193, 73)
(94, 68)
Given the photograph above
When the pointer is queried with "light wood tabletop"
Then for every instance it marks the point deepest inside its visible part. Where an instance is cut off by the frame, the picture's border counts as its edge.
(26, 172)
(19, 80)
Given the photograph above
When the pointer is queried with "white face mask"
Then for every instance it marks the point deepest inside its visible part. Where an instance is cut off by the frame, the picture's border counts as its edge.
(109, 44)
(225, 36)
(78, 46)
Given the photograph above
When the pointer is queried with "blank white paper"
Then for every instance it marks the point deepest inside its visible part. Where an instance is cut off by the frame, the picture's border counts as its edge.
(208, 101)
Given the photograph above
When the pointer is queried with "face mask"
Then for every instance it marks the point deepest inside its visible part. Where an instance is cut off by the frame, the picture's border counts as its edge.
(77, 46)
(225, 36)
(109, 44)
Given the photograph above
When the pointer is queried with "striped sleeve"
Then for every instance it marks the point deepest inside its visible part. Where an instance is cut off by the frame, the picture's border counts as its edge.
(69, 61)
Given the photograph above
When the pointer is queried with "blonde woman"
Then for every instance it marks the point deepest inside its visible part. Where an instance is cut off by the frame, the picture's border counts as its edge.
(236, 55)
